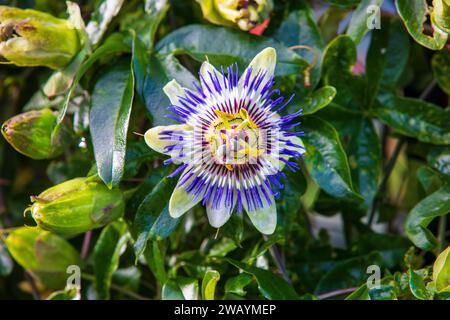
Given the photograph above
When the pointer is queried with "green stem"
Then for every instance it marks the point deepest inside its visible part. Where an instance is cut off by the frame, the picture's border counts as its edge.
(392, 161)
(387, 173)
(442, 229)
(279, 261)
(336, 293)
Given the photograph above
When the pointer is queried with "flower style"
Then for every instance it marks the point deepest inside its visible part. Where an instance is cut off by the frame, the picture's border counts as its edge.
(231, 142)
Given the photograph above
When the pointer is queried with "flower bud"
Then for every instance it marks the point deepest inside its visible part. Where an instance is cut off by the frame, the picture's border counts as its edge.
(245, 14)
(76, 206)
(33, 38)
(32, 134)
(441, 271)
(44, 254)
(440, 14)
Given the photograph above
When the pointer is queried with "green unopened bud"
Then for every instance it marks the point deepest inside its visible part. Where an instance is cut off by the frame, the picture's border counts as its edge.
(441, 271)
(33, 38)
(45, 254)
(245, 14)
(32, 134)
(440, 14)
(76, 206)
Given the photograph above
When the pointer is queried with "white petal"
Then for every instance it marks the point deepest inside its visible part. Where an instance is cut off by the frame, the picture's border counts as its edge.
(273, 158)
(152, 136)
(264, 219)
(219, 215)
(297, 141)
(173, 90)
(264, 61)
(207, 71)
(181, 201)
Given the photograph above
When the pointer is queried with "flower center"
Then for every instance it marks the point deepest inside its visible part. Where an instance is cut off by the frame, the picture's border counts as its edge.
(234, 139)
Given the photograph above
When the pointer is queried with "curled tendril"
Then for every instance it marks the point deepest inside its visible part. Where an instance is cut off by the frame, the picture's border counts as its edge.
(307, 71)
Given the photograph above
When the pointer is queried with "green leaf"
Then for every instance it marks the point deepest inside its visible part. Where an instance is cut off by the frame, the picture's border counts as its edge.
(71, 293)
(137, 154)
(110, 113)
(234, 228)
(230, 46)
(171, 291)
(439, 159)
(152, 219)
(106, 10)
(180, 288)
(60, 81)
(428, 179)
(358, 25)
(415, 118)
(146, 20)
(159, 70)
(326, 159)
(348, 273)
(300, 28)
(441, 271)
(417, 286)
(435, 205)
(330, 21)
(288, 206)
(339, 57)
(105, 257)
(413, 14)
(364, 152)
(129, 278)
(114, 44)
(362, 293)
(209, 284)
(222, 247)
(344, 3)
(383, 292)
(236, 285)
(155, 260)
(387, 57)
(272, 287)
(440, 64)
(391, 247)
(318, 100)
(140, 59)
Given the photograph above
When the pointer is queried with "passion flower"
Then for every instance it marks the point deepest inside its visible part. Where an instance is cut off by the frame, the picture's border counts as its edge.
(231, 142)
(245, 14)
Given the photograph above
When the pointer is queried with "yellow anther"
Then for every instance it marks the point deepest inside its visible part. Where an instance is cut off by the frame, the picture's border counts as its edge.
(244, 114)
(243, 124)
(224, 117)
(229, 167)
